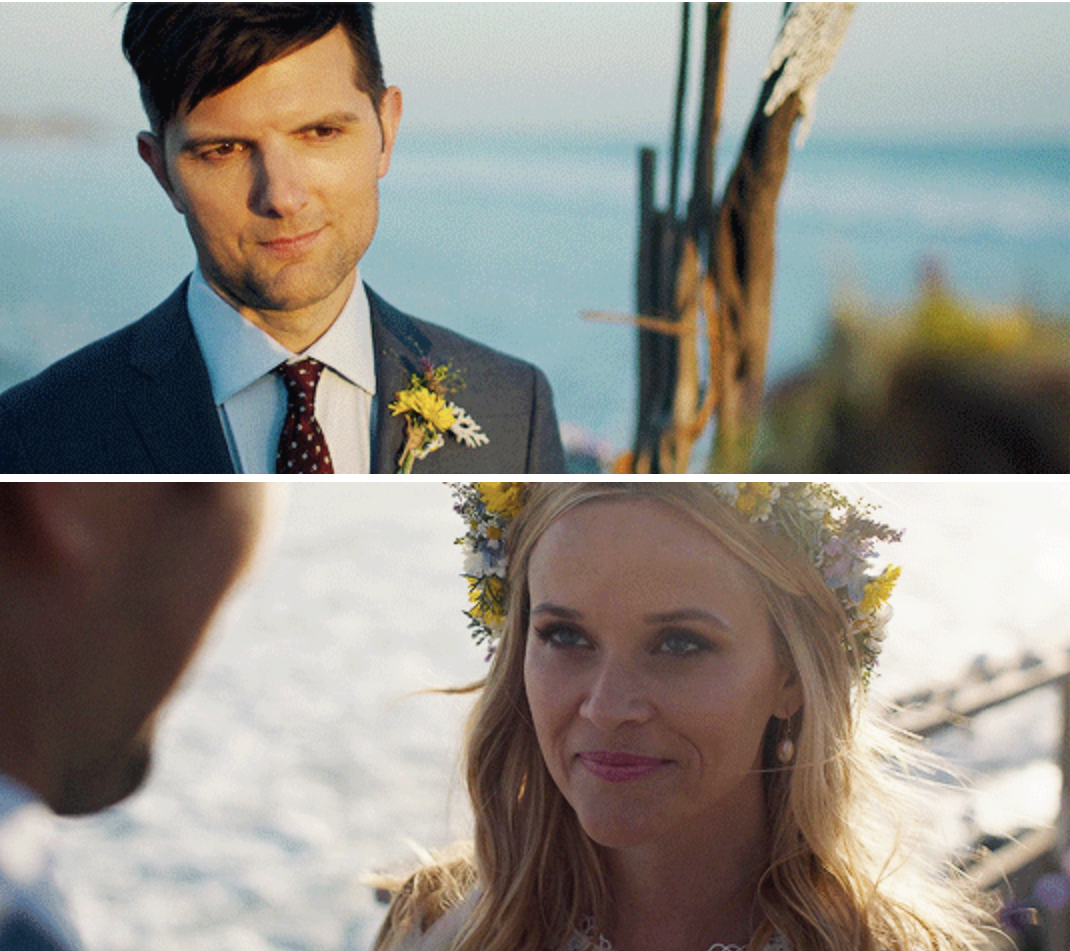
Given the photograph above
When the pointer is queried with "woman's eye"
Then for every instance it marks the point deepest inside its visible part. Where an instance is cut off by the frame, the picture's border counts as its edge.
(682, 644)
(562, 638)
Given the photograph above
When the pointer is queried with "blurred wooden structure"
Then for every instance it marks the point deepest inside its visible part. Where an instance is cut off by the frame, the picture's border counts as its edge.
(705, 275)
(1012, 867)
(674, 289)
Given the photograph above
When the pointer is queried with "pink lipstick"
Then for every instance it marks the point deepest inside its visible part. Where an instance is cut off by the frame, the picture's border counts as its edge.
(620, 767)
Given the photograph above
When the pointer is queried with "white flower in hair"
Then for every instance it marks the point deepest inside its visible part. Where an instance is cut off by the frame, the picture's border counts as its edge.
(839, 539)
(836, 537)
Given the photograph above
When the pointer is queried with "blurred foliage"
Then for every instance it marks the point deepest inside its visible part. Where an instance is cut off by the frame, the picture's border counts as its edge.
(940, 386)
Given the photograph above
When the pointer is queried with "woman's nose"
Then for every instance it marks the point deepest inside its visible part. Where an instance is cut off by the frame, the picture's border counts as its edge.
(616, 696)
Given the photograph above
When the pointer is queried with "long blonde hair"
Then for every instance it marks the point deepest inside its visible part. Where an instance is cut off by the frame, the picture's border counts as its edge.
(840, 876)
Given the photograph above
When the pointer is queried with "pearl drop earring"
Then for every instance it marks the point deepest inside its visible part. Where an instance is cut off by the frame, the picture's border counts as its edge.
(785, 750)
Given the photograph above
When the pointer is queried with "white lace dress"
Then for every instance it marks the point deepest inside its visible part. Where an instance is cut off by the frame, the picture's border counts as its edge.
(587, 939)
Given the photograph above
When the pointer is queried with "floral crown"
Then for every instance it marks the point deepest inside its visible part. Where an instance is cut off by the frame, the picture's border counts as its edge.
(838, 537)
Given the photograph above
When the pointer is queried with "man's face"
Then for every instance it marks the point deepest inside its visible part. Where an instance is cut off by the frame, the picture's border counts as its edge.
(278, 179)
(162, 559)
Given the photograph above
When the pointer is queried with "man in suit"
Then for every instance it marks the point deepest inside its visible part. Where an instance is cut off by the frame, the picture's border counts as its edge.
(106, 592)
(271, 126)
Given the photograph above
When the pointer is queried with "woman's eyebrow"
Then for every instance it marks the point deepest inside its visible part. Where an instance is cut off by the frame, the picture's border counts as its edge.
(548, 607)
(688, 614)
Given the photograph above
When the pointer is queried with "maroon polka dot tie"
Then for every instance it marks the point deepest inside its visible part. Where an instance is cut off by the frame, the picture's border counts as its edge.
(302, 446)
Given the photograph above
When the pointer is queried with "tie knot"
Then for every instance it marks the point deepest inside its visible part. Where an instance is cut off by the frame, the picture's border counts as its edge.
(301, 379)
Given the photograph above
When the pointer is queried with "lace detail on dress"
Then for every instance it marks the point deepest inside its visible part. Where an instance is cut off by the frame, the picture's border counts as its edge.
(587, 939)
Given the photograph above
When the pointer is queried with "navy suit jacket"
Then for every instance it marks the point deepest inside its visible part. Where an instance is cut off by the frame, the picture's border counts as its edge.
(139, 402)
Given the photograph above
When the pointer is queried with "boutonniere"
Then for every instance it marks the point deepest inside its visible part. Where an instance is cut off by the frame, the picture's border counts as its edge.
(430, 415)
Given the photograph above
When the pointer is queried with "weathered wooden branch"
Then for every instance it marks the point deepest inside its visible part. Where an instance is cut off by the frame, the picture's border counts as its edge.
(743, 266)
(657, 352)
(669, 448)
(693, 408)
(678, 115)
(960, 705)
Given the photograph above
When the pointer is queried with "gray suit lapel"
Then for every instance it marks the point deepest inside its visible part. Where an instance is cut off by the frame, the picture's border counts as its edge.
(399, 347)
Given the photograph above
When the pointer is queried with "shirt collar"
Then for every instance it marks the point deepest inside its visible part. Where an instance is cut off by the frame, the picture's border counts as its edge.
(237, 353)
(13, 795)
(26, 833)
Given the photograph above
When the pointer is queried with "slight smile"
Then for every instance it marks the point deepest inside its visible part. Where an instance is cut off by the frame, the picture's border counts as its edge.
(620, 767)
(292, 247)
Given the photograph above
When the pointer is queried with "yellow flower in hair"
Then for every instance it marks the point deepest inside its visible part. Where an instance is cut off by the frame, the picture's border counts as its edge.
(502, 498)
(426, 405)
(487, 596)
(756, 498)
(879, 590)
(487, 508)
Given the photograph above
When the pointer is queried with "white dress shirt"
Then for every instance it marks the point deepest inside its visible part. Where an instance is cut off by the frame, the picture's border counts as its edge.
(251, 399)
(28, 896)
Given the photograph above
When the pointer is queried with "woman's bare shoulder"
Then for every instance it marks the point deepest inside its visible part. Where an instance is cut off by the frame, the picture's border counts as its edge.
(440, 936)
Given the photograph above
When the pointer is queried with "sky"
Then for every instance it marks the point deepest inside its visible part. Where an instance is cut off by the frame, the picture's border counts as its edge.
(984, 70)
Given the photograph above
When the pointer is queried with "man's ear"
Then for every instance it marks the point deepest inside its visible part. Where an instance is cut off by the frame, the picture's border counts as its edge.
(151, 149)
(390, 109)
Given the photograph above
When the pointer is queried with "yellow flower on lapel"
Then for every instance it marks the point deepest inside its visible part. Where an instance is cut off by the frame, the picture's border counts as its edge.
(430, 416)
(430, 406)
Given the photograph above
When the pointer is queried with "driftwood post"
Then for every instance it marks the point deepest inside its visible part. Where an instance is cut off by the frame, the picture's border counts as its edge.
(658, 261)
(670, 275)
(693, 408)
(657, 351)
(742, 266)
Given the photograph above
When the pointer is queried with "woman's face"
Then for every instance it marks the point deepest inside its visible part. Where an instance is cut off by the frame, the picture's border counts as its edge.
(651, 673)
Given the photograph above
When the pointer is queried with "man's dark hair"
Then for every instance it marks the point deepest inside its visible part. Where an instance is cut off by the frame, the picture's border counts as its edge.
(183, 53)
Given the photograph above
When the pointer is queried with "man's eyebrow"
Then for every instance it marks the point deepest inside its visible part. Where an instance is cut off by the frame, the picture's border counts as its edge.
(195, 143)
(333, 118)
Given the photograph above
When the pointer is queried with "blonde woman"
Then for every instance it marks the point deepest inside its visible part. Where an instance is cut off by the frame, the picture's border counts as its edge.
(672, 750)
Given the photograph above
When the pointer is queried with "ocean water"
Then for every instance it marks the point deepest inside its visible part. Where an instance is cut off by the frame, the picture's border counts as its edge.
(302, 753)
(509, 239)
